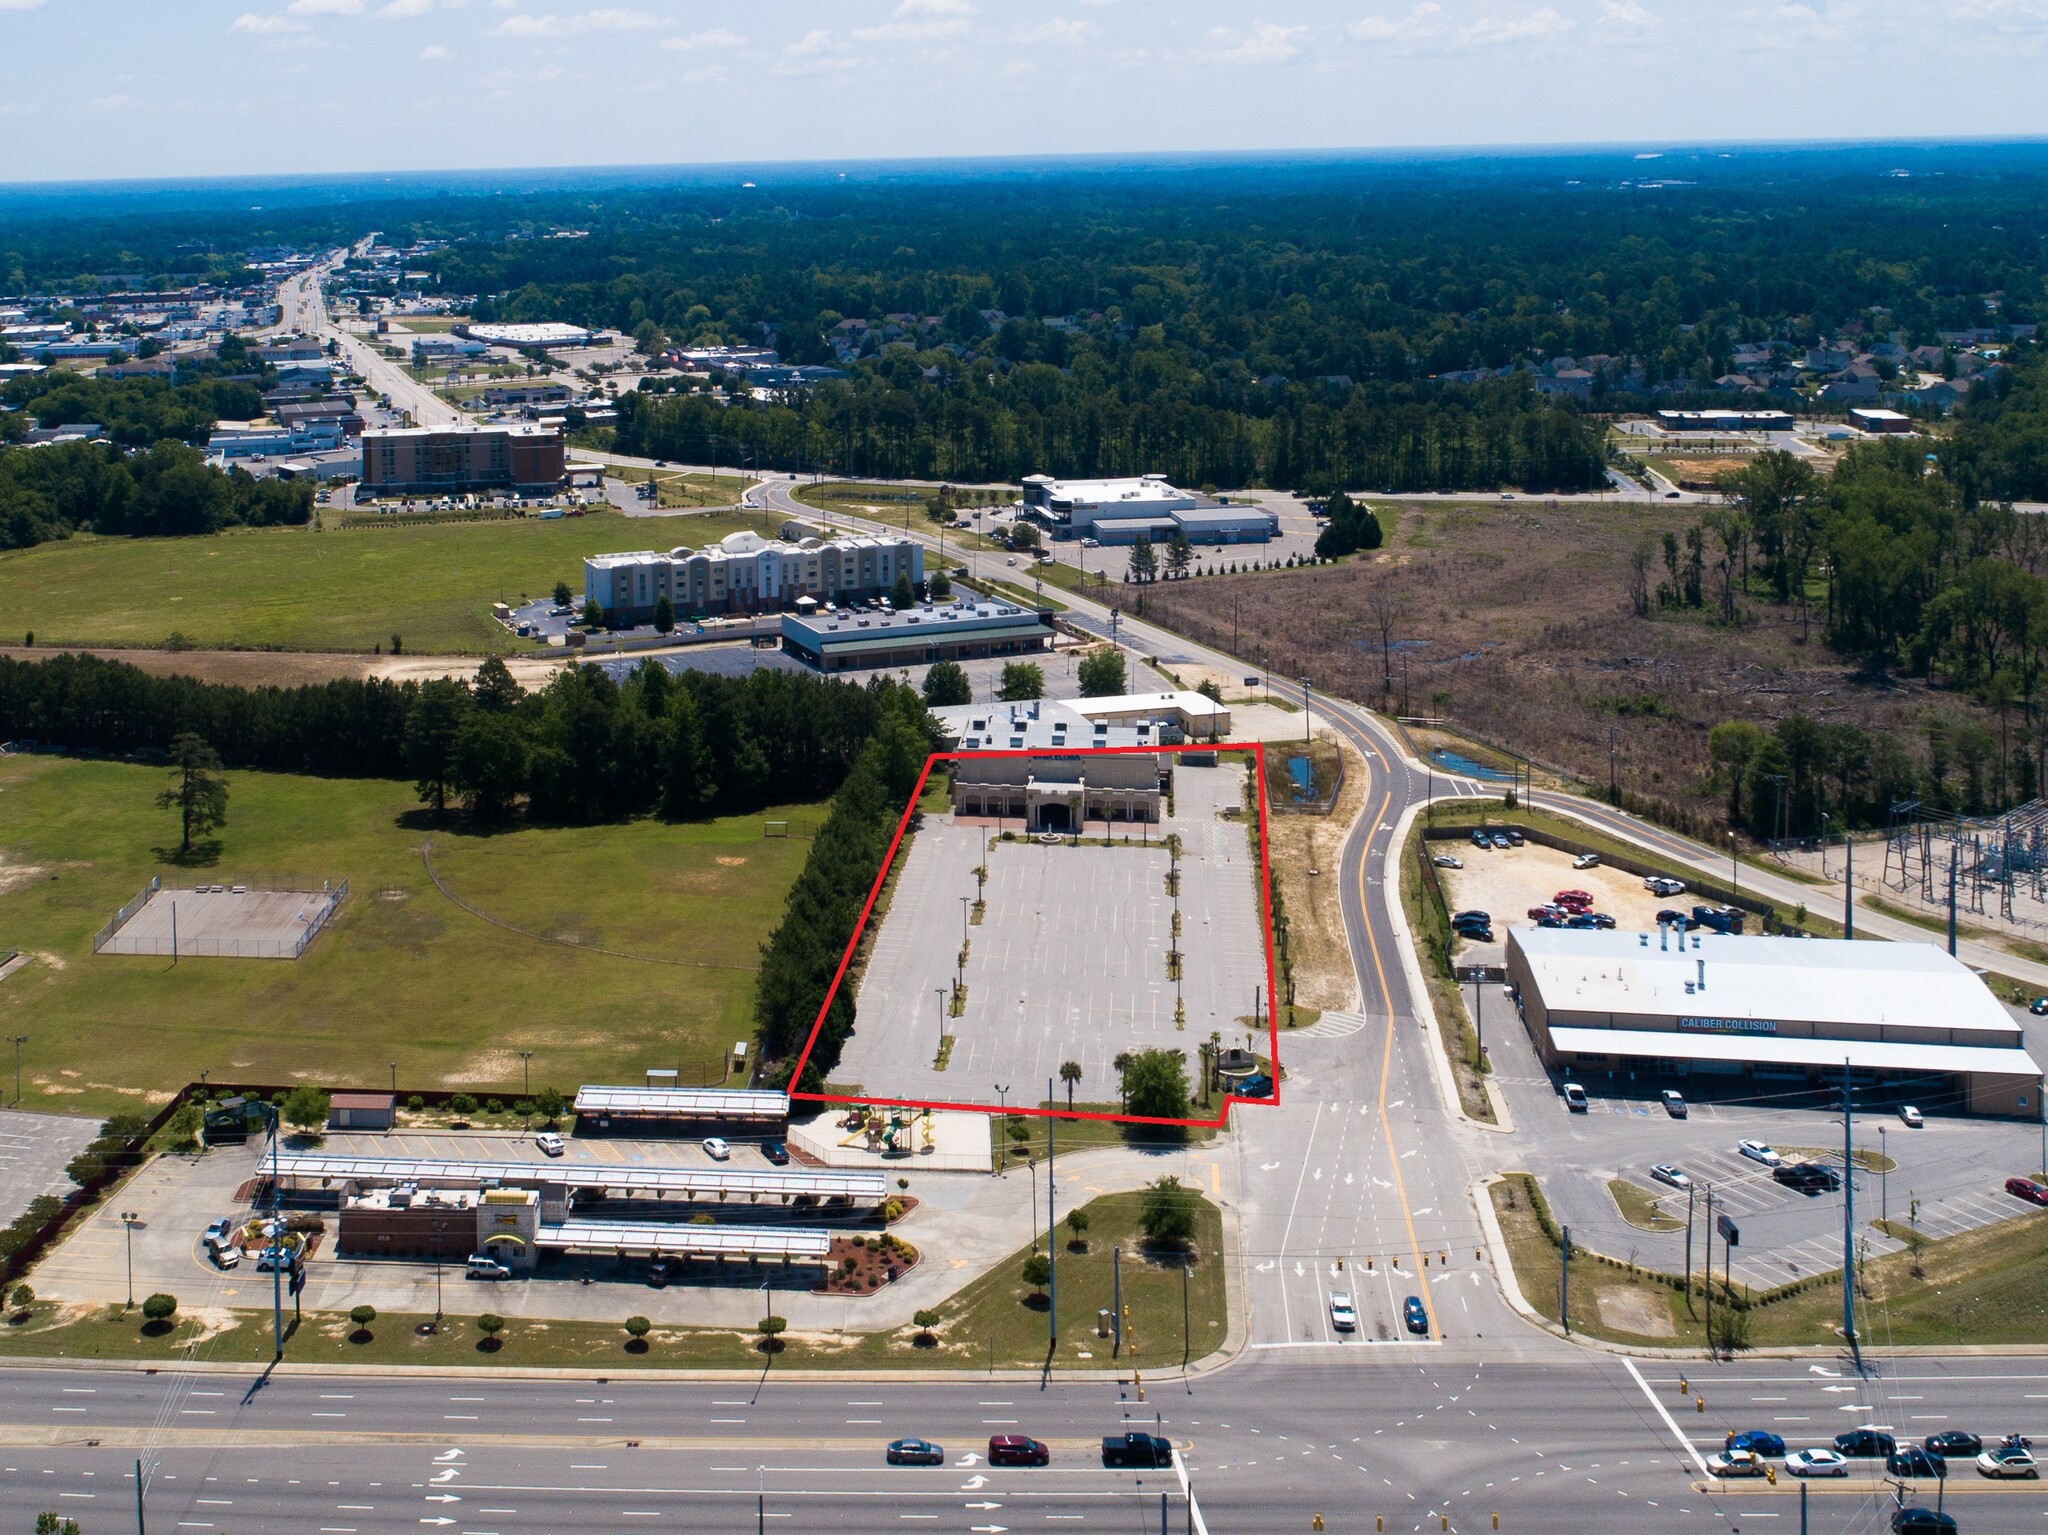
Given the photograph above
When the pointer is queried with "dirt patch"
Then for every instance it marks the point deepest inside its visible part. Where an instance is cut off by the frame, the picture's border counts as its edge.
(729, 863)
(1631, 1309)
(14, 875)
(1323, 973)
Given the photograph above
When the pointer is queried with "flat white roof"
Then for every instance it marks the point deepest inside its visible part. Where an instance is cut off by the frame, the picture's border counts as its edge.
(1194, 705)
(690, 1182)
(687, 1240)
(684, 1102)
(1768, 1050)
(1897, 986)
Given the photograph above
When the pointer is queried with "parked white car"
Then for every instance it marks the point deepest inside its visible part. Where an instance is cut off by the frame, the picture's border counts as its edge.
(1911, 1117)
(550, 1143)
(1586, 861)
(1760, 1151)
(1666, 1172)
(717, 1148)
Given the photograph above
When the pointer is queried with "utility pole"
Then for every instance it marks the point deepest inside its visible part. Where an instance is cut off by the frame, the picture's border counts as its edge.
(140, 1528)
(1307, 714)
(1564, 1284)
(1116, 1301)
(1690, 1190)
(276, 1248)
(1849, 1196)
(1951, 900)
(1848, 931)
(1707, 1271)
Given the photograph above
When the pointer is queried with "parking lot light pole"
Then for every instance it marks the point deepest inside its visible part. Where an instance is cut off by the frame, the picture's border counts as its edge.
(526, 1067)
(1884, 1179)
(17, 1040)
(940, 993)
(128, 1220)
(997, 1154)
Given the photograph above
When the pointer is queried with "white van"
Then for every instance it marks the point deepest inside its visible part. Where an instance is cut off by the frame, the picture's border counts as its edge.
(483, 1266)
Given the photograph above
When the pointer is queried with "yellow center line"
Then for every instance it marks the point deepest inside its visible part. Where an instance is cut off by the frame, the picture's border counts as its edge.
(1387, 1068)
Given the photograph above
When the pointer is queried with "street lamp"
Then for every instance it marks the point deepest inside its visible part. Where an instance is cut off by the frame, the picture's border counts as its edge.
(526, 1067)
(1734, 871)
(18, 1040)
(1003, 1113)
(394, 1078)
(1307, 714)
(1884, 1179)
(940, 993)
(128, 1220)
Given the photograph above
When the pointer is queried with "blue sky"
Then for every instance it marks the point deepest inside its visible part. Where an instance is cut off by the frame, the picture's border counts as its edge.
(197, 87)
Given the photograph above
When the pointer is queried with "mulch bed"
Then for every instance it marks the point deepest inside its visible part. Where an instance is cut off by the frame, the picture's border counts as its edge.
(864, 1269)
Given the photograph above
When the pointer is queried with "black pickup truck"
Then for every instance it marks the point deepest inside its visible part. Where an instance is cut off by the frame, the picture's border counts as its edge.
(1136, 1449)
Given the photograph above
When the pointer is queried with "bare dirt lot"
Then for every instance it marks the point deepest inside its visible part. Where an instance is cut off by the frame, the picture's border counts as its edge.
(290, 668)
(1513, 622)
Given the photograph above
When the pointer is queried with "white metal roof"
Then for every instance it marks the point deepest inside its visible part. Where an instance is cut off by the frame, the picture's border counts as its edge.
(1767, 1050)
(690, 1182)
(647, 1236)
(683, 1102)
(1809, 980)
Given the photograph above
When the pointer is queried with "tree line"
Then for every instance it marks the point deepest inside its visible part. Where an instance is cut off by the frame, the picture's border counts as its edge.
(135, 412)
(168, 490)
(802, 956)
(584, 748)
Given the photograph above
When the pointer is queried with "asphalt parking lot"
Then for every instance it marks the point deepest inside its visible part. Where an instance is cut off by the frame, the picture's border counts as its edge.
(1069, 962)
(33, 1151)
(1954, 1168)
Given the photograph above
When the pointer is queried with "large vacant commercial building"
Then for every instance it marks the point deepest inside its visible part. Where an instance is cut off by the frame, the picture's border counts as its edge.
(746, 573)
(1906, 1018)
(852, 638)
(1123, 511)
(444, 460)
(1051, 769)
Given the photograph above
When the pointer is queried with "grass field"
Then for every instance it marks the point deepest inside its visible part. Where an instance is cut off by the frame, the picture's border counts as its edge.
(296, 589)
(989, 1324)
(1989, 1285)
(402, 973)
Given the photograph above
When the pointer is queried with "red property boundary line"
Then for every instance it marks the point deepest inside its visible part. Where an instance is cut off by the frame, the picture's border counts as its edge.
(1258, 753)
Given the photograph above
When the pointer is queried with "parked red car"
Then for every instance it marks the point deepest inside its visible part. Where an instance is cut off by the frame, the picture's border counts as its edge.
(2033, 1193)
(1573, 900)
(1539, 913)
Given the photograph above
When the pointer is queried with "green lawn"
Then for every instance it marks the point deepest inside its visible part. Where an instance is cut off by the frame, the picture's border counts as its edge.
(1984, 1286)
(991, 1323)
(402, 973)
(296, 589)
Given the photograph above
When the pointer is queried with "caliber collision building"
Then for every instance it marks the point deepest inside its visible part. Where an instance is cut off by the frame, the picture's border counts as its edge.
(1906, 1018)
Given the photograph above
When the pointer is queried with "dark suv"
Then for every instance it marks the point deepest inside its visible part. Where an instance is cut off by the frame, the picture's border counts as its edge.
(1017, 1450)
(1808, 1177)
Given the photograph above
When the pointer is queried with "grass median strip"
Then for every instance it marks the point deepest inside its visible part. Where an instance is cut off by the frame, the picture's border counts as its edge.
(1639, 1207)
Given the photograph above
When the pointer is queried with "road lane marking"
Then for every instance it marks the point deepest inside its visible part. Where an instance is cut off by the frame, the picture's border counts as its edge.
(1663, 1412)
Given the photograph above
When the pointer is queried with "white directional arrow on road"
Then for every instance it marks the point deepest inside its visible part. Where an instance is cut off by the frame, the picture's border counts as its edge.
(984, 1506)
(1821, 1369)
(974, 1484)
(1267, 1167)
(988, 1529)
(1298, 1269)
(450, 1454)
(438, 1519)
(1265, 1267)
(442, 1497)
(446, 1474)
(1349, 1178)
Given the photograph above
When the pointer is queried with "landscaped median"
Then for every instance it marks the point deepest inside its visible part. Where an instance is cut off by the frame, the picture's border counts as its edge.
(1989, 1285)
(1172, 1284)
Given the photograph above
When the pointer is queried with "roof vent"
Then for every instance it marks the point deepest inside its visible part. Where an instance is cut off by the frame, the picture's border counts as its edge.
(1644, 940)
(1688, 988)
(1703, 975)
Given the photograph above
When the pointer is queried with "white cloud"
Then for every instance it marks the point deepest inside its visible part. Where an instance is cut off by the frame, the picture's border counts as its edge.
(814, 42)
(1493, 31)
(19, 5)
(1627, 13)
(17, 108)
(326, 7)
(704, 74)
(120, 101)
(264, 26)
(1266, 43)
(433, 51)
(815, 53)
(912, 31)
(717, 37)
(1056, 30)
(1412, 28)
(401, 10)
(611, 19)
(934, 8)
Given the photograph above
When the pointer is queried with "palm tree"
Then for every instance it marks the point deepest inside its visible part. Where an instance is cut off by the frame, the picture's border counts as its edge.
(1122, 1063)
(1070, 1073)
